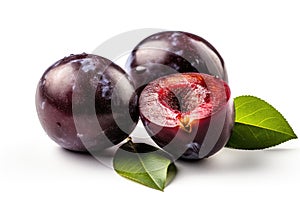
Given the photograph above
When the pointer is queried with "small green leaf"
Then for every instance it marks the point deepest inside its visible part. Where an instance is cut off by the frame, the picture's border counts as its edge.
(258, 125)
(144, 164)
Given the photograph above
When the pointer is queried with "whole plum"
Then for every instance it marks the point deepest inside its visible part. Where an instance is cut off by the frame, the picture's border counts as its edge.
(86, 103)
(172, 52)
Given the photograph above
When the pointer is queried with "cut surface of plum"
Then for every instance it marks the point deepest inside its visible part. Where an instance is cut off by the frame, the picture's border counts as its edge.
(180, 110)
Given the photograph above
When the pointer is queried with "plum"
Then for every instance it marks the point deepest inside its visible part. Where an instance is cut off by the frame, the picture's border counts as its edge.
(172, 52)
(190, 115)
(86, 103)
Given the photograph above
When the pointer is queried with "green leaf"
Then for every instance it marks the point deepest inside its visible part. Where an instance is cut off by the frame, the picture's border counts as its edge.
(144, 164)
(258, 125)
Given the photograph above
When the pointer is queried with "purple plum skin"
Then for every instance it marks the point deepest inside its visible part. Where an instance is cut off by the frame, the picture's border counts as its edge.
(172, 52)
(78, 89)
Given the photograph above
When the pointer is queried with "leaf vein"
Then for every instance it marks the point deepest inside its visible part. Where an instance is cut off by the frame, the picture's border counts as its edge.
(268, 128)
(237, 107)
(148, 174)
(250, 129)
(266, 119)
(258, 110)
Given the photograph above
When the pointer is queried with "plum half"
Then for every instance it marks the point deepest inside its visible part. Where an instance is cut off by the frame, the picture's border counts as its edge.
(170, 52)
(86, 103)
(189, 115)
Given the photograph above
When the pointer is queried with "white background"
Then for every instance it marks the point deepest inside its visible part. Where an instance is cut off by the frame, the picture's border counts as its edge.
(259, 41)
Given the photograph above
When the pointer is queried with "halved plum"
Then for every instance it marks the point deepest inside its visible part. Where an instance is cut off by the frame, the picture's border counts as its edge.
(190, 115)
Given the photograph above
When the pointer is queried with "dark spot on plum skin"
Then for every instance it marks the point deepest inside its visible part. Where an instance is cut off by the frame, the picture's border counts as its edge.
(58, 124)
